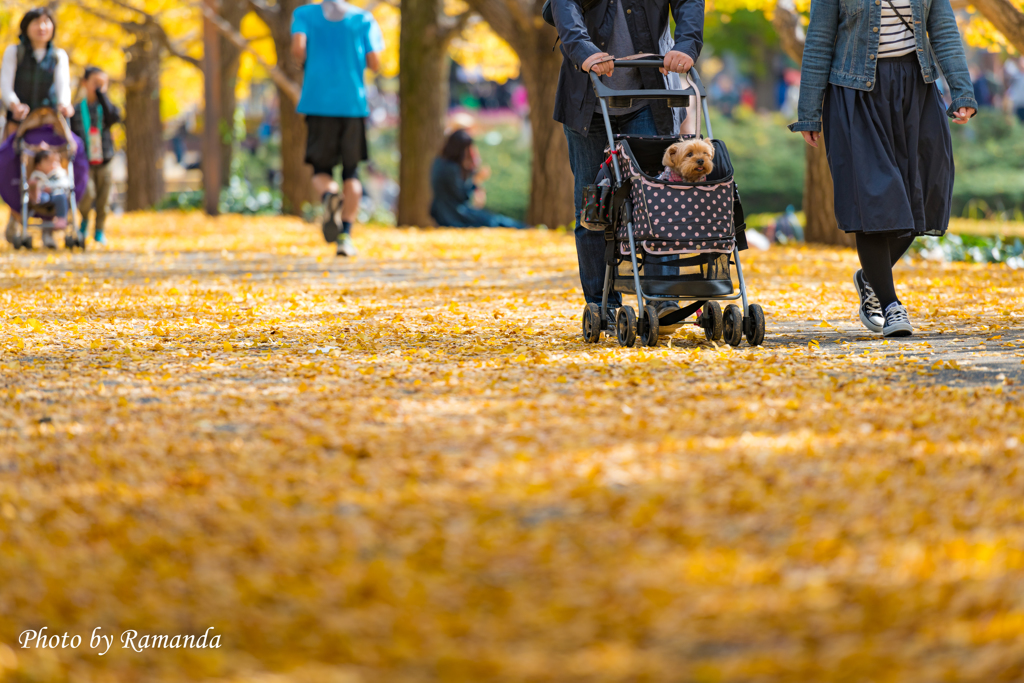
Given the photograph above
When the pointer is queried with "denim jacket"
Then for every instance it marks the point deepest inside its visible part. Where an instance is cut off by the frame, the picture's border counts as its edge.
(575, 99)
(842, 43)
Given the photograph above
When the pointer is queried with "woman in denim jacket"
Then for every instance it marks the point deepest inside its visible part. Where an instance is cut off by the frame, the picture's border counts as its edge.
(868, 84)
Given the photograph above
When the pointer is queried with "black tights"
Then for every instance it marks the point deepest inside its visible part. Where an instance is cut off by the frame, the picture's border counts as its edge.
(878, 253)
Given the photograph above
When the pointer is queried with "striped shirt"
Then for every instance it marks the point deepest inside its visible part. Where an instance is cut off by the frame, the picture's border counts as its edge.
(894, 38)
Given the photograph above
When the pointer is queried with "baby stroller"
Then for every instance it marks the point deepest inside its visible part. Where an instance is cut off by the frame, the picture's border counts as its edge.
(43, 128)
(647, 220)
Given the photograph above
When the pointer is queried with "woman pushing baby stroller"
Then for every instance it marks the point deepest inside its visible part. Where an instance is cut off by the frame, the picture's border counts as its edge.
(36, 94)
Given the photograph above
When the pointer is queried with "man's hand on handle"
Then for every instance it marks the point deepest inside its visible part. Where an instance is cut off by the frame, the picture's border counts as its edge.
(20, 111)
(602, 69)
(677, 62)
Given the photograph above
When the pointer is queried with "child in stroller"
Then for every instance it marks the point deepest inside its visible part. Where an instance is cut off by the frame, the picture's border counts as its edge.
(49, 186)
(42, 179)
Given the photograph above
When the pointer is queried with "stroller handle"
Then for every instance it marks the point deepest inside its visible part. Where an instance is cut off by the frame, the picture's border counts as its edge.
(47, 116)
(677, 98)
(609, 97)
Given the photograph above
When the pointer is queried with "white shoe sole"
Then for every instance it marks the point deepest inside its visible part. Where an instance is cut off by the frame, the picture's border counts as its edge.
(865, 321)
(898, 330)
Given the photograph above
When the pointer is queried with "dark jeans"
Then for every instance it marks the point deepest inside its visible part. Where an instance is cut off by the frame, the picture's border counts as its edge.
(586, 154)
(59, 202)
(488, 219)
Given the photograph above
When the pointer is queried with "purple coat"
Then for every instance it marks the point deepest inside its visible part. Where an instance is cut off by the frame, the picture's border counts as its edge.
(10, 166)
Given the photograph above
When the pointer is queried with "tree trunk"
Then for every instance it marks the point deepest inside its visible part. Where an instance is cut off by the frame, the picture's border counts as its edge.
(819, 211)
(296, 176)
(230, 54)
(819, 208)
(228, 102)
(143, 131)
(423, 104)
(551, 181)
(229, 58)
(519, 22)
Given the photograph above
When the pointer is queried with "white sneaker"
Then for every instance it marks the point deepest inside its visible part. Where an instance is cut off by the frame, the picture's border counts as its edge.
(48, 240)
(870, 309)
(897, 322)
(346, 247)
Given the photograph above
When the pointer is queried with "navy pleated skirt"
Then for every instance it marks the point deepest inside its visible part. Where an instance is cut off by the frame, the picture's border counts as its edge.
(890, 153)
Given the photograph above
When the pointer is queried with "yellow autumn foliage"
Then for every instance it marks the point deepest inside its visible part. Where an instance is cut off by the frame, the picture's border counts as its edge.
(408, 467)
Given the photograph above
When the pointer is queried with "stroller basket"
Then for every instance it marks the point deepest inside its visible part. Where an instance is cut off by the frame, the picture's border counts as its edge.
(678, 218)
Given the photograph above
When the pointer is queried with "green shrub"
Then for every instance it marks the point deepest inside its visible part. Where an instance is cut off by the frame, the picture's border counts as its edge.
(989, 156)
(507, 151)
(767, 158)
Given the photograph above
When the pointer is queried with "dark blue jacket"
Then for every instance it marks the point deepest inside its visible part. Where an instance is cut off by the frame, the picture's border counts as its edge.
(842, 45)
(452, 205)
(649, 27)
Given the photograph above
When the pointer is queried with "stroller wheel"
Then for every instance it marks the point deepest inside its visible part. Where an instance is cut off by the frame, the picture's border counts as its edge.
(592, 324)
(26, 241)
(711, 321)
(732, 325)
(625, 326)
(648, 326)
(754, 325)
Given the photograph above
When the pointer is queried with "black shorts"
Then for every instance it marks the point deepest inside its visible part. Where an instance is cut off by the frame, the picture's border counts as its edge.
(334, 140)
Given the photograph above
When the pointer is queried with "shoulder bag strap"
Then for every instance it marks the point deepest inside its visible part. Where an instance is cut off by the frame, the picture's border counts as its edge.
(900, 16)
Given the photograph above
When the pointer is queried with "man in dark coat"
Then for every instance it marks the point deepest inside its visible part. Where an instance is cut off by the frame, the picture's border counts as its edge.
(94, 116)
(591, 30)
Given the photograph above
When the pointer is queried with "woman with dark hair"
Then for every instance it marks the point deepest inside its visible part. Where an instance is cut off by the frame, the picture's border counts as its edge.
(34, 73)
(867, 88)
(453, 179)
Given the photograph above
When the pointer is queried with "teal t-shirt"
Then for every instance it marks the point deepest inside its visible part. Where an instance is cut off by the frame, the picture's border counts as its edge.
(334, 82)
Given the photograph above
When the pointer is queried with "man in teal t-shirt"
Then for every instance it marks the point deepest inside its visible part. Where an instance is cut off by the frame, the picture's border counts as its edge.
(337, 42)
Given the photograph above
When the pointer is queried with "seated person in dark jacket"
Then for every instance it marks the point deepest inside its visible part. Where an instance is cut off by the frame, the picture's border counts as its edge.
(94, 117)
(453, 181)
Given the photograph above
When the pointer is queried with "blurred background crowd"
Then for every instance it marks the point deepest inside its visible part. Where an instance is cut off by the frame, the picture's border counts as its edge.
(487, 67)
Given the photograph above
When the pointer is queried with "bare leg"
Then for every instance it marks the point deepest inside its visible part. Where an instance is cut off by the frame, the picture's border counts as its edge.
(353, 193)
(323, 182)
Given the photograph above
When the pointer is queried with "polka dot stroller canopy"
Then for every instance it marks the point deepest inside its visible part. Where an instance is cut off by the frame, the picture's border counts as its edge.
(678, 218)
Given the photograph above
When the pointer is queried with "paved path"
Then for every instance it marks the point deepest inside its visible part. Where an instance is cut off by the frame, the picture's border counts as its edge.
(943, 356)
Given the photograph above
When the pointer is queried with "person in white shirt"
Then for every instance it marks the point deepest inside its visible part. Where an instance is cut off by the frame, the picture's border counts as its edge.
(34, 73)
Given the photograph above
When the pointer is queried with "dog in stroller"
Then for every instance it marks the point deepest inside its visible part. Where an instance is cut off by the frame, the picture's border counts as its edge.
(647, 215)
(45, 200)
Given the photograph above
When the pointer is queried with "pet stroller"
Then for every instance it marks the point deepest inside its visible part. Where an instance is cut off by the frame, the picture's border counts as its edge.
(697, 227)
(43, 128)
